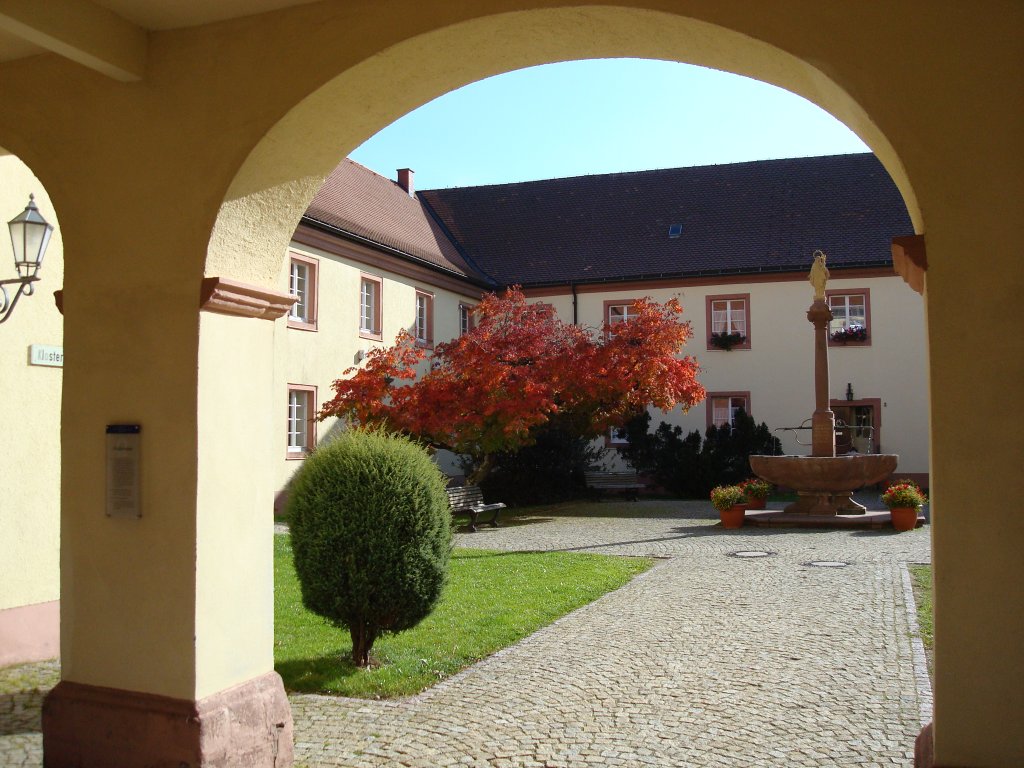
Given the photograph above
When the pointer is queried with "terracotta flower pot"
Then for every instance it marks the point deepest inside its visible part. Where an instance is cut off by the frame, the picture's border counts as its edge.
(904, 518)
(756, 503)
(732, 517)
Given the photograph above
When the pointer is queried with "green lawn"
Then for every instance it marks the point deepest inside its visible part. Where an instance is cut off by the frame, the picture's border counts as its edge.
(922, 578)
(492, 600)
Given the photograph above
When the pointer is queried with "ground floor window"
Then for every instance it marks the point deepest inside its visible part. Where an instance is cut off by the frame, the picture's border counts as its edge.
(858, 425)
(618, 437)
(723, 407)
(301, 424)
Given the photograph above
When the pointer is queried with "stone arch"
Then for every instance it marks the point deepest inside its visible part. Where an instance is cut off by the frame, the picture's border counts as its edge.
(29, 566)
(271, 189)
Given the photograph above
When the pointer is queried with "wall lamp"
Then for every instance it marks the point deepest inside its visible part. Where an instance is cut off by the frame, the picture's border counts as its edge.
(30, 234)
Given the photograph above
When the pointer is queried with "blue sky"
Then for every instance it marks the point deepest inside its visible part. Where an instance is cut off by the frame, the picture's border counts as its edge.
(600, 116)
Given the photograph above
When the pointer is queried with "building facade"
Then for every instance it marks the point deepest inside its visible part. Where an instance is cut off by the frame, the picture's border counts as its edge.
(733, 243)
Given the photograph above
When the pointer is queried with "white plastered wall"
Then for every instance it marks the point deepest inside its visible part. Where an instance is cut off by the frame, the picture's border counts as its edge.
(778, 368)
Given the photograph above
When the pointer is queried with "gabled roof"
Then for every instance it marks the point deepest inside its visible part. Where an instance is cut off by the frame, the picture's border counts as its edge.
(358, 203)
(753, 217)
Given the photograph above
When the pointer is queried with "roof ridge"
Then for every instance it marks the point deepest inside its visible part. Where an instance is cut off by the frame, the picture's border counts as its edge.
(365, 168)
(653, 170)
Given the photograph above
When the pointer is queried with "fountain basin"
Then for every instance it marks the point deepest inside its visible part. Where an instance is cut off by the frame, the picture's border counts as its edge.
(824, 484)
(825, 474)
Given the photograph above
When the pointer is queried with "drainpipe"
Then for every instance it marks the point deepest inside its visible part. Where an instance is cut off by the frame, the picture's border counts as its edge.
(575, 313)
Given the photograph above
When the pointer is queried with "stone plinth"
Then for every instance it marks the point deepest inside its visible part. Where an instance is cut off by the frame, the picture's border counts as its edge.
(248, 725)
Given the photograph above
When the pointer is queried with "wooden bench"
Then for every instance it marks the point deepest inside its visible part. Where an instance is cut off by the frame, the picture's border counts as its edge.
(628, 483)
(469, 500)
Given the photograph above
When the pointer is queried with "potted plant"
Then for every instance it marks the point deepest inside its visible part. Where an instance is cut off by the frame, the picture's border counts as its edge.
(728, 500)
(904, 498)
(757, 492)
(852, 332)
(727, 341)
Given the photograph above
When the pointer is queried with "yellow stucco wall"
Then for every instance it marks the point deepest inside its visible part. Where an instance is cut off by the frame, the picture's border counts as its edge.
(29, 411)
(234, 559)
(228, 113)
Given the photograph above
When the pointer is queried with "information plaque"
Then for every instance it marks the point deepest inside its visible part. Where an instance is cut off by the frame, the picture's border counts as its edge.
(124, 443)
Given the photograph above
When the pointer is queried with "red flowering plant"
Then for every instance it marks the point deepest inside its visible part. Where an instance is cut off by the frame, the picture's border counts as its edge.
(904, 494)
(756, 488)
(491, 389)
(852, 332)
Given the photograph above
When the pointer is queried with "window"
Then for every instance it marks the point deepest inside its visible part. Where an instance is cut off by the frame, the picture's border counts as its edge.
(302, 282)
(617, 437)
(722, 407)
(850, 316)
(424, 328)
(301, 425)
(619, 311)
(369, 307)
(467, 321)
(728, 321)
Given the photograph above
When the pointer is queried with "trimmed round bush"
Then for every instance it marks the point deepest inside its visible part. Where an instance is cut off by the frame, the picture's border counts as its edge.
(371, 533)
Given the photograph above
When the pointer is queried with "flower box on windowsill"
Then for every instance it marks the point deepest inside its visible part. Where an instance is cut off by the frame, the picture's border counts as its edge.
(726, 341)
(852, 333)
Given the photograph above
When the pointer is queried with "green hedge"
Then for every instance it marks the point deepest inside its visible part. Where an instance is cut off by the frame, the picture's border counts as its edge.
(371, 531)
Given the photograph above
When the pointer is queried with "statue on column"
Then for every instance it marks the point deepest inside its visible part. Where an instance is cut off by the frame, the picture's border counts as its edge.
(819, 275)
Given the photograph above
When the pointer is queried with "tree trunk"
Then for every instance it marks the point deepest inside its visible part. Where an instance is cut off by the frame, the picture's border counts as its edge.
(362, 640)
(482, 470)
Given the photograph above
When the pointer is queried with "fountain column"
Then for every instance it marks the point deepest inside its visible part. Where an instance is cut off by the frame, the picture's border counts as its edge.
(823, 481)
(823, 421)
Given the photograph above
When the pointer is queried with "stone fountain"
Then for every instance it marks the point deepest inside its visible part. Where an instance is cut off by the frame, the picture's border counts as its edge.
(823, 481)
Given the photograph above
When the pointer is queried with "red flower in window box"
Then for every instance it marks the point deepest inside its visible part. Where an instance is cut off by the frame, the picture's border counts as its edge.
(727, 341)
(853, 332)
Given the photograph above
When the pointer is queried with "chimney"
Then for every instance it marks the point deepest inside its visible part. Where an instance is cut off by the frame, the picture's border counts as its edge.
(405, 180)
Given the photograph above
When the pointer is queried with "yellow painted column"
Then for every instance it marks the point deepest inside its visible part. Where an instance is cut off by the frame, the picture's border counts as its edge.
(167, 614)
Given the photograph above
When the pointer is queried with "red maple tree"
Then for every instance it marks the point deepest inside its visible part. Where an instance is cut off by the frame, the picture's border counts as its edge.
(488, 390)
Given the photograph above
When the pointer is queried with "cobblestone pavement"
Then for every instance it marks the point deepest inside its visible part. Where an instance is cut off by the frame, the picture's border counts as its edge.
(21, 701)
(707, 660)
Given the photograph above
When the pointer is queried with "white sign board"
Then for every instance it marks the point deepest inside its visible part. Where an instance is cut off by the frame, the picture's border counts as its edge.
(124, 443)
(44, 354)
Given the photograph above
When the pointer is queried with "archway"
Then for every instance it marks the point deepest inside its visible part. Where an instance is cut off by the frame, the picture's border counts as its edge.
(292, 159)
(170, 157)
(31, 342)
(280, 176)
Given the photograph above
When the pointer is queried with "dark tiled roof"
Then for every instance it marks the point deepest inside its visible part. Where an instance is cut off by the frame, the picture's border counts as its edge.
(357, 201)
(763, 216)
